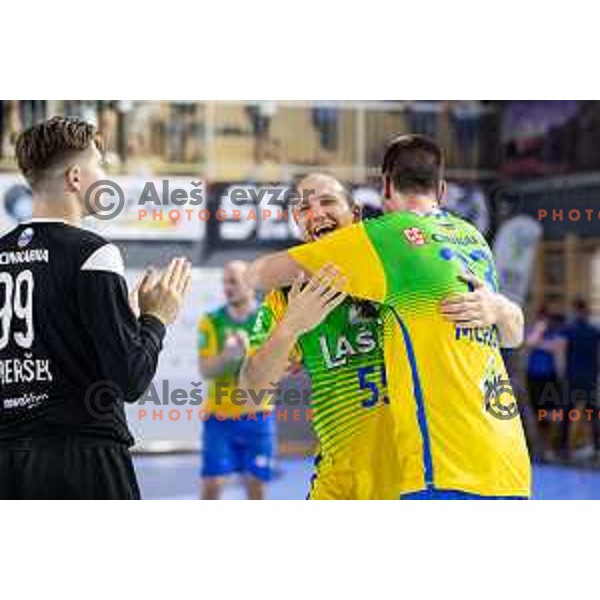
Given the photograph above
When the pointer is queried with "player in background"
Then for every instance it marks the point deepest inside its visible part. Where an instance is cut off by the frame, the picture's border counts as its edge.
(457, 423)
(71, 350)
(239, 436)
(338, 342)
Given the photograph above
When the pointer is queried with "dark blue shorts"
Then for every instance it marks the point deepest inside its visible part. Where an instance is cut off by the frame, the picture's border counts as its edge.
(244, 446)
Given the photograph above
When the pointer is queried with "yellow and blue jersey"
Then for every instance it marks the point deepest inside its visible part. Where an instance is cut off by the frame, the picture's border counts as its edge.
(440, 375)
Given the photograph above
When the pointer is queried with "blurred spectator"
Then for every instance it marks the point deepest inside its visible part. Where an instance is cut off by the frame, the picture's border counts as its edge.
(465, 117)
(579, 345)
(12, 126)
(123, 109)
(422, 116)
(535, 135)
(325, 121)
(183, 132)
(176, 131)
(3, 123)
(543, 380)
(587, 136)
(143, 122)
(108, 121)
(194, 138)
(12, 113)
(31, 112)
(261, 114)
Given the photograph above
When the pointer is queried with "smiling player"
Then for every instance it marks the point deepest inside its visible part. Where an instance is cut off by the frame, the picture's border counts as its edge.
(337, 340)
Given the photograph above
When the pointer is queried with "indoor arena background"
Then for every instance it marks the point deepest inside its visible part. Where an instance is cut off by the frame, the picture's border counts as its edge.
(526, 173)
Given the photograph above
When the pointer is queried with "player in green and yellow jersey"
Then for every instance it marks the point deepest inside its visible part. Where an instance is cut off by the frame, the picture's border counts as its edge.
(457, 429)
(238, 437)
(338, 342)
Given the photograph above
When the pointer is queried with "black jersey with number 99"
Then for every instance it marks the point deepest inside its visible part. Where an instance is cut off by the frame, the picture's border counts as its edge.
(71, 349)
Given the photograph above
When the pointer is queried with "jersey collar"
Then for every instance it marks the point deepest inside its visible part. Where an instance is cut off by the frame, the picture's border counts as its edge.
(42, 220)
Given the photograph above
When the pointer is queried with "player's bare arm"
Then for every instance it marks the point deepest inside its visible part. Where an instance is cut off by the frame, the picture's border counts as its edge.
(482, 308)
(272, 271)
(308, 305)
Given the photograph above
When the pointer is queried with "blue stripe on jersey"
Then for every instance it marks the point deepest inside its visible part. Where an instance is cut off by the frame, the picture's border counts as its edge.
(418, 393)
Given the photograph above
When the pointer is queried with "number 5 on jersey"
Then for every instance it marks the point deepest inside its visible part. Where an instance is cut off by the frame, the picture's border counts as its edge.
(366, 384)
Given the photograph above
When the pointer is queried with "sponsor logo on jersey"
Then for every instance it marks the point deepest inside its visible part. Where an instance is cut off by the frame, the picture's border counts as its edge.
(337, 352)
(415, 236)
(26, 256)
(28, 400)
(484, 336)
(25, 237)
(459, 240)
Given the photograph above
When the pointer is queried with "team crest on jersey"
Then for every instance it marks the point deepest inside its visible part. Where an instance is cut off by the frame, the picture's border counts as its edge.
(25, 237)
(357, 314)
(415, 236)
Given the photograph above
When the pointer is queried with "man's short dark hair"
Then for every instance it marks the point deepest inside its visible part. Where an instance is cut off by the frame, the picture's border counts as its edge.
(47, 144)
(581, 306)
(414, 163)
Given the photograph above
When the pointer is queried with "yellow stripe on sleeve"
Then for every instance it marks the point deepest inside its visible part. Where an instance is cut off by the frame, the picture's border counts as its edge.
(352, 252)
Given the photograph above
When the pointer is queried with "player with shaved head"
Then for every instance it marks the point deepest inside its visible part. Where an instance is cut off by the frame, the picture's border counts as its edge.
(238, 437)
(337, 340)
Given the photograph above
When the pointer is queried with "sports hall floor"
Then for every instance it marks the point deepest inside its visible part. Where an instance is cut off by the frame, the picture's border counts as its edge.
(175, 477)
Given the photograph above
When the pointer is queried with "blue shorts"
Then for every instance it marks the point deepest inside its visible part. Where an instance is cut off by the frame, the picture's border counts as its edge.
(434, 494)
(244, 445)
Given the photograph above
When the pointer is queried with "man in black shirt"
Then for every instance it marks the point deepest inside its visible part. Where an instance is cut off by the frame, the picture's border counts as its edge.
(71, 350)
